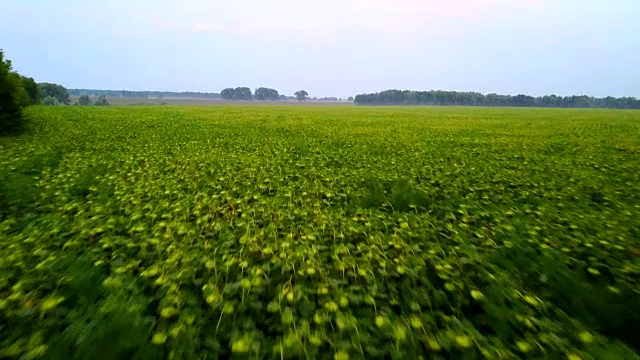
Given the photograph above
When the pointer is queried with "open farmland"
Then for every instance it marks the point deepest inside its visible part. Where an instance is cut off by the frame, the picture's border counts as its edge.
(320, 232)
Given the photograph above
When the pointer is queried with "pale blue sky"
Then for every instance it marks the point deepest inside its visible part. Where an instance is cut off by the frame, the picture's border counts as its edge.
(330, 47)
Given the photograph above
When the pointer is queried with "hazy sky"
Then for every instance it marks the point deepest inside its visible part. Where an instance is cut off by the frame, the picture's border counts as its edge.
(329, 47)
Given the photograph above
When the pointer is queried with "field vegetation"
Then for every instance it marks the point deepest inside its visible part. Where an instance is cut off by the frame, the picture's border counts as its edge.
(320, 232)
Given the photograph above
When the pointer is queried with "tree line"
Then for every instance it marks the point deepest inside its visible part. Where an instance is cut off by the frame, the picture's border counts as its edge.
(456, 98)
(16, 93)
(85, 100)
(260, 94)
(55, 94)
(128, 94)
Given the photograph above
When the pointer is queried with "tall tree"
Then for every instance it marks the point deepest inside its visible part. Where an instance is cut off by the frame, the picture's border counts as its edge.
(19, 92)
(31, 87)
(10, 107)
(227, 94)
(301, 95)
(242, 93)
(239, 93)
(266, 94)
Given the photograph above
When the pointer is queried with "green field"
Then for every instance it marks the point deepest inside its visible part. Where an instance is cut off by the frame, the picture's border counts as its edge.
(320, 232)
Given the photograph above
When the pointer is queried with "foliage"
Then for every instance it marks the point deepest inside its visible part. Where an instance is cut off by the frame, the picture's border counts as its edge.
(227, 93)
(266, 94)
(19, 92)
(455, 98)
(320, 232)
(12, 97)
(55, 91)
(84, 100)
(31, 88)
(239, 93)
(101, 101)
(51, 101)
(301, 95)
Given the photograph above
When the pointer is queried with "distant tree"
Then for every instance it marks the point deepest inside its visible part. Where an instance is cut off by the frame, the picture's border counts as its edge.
(497, 100)
(610, 102)
(51, 101)
(522, 100)
(583, 101)
(84, 100)
(266, 94)
(350, 98)
(101, 101)
(54, 90)
(239, 93)
(242, 93)
(301, 95)
(31, 87)
(227, 94)
(548, 101)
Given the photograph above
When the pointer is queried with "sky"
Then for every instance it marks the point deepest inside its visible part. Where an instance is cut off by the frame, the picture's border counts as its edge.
(331, 47)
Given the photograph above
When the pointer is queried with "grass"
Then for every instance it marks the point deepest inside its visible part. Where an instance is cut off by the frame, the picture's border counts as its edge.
(320, 232)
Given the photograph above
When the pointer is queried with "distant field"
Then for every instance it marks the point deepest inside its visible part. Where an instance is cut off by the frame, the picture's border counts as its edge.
(320, 232)
(117, 101)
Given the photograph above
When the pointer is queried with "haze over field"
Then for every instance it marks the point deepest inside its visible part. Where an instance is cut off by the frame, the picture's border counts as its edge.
(330, 48)
(462, 180)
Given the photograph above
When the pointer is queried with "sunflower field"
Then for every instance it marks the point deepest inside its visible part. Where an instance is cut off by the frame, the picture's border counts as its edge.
(309, 232)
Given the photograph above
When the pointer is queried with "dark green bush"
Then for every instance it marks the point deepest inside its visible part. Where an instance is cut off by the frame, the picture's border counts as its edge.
(12, 97)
